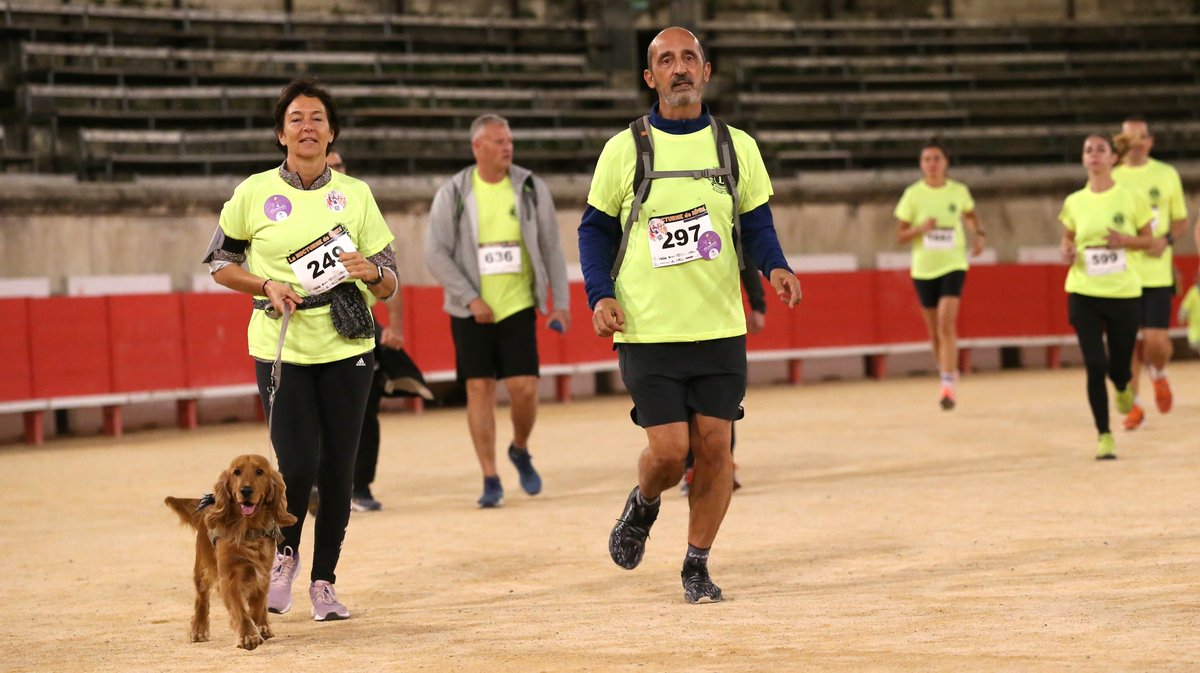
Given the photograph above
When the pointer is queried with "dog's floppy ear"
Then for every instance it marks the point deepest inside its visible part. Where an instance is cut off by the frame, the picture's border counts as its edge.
(223, 498)
(277, 500)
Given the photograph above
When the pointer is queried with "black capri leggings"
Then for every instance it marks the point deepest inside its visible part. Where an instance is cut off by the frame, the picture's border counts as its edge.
(315, 429)
(1093, 318)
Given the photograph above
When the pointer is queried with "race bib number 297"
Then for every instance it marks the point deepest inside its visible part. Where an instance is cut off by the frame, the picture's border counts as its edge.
(682, 237)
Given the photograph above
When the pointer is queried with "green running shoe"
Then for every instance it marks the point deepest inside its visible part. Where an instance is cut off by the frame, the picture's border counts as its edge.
(1125, 399)
(1106, 448)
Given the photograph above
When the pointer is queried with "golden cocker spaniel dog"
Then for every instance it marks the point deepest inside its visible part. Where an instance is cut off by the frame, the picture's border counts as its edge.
(236, 531)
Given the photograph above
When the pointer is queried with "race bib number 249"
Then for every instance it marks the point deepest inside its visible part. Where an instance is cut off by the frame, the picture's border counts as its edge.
(317, 266)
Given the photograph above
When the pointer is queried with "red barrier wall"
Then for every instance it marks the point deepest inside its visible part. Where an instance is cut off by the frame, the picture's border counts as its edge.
(427, 335)
(70, 351)
(1005, 300)
(215, 351)
(147, 342)
(17, 381)
(69, 346)
(897, 310)
(834, 309)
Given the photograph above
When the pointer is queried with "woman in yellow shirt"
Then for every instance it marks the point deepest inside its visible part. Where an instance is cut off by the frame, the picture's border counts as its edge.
(930, 218)
(1100, 223)
(312, 240)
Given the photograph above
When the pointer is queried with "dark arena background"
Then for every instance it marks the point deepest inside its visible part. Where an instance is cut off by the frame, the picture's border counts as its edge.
(873, 532)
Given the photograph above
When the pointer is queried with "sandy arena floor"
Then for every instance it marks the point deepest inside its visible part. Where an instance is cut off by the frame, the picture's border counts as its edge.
(875, 533)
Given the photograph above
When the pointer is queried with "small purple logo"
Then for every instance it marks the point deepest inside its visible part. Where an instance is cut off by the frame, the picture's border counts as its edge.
(277, 208)
(709, 245)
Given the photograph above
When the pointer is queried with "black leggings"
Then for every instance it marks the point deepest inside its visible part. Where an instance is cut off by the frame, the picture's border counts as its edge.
(318, 416)
(368, 442)
(1093, 318)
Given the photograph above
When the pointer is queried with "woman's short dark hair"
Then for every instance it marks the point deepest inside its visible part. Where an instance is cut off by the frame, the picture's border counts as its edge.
(305, 87)
(935, 144)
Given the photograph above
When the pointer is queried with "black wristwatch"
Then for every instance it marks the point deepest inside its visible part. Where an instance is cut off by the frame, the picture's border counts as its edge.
(377, 280)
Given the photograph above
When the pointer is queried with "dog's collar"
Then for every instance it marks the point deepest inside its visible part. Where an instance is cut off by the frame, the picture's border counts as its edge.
(273, 532)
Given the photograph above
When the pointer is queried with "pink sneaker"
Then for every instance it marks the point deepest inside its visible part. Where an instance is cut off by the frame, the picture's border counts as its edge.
(325, 603)
(279, 598)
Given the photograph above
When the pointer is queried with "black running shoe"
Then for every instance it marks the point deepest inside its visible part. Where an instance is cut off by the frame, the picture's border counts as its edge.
(627, 542)
(698, 587)
(493, 493)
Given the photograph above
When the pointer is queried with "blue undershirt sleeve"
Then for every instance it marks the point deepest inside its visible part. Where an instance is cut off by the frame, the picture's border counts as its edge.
(599, 236)
(760, 241)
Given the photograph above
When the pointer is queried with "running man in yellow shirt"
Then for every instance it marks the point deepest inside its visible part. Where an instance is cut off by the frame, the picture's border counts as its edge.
(659, 251)
(930, 217)
(1159, 184)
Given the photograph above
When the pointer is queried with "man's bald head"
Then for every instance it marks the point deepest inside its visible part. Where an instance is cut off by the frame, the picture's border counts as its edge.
(675, 68)
(673, 33)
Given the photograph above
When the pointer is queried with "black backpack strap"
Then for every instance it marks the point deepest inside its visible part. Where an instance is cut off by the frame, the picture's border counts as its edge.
(727, 158)
(644, 174)
(644, 167)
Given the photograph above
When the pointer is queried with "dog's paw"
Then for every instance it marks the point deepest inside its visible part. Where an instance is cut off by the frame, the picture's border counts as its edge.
(249, 642)
(200, 636)
(266, 632)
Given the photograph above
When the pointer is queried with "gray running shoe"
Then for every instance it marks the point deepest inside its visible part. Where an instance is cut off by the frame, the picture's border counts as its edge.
(364, 502)
(325, 605)
(279, 598)
(698, 587)
(627, 542)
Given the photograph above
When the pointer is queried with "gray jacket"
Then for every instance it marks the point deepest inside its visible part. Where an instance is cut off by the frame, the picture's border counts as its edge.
(453, 237)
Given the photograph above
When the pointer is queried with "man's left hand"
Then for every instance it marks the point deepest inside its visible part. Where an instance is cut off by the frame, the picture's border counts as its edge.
(756, 322)
(392, 337)
(563, 317)
(786, 285)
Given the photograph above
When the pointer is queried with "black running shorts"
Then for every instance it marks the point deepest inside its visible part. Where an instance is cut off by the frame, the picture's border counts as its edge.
(496, 350)
(1156, 307)
(671, 381)
(932, 290)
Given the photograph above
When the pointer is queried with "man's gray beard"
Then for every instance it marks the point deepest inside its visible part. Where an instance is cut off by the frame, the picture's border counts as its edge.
(683, 98)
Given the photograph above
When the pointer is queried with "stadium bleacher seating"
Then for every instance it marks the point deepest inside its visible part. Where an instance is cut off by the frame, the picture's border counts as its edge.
(818, 94)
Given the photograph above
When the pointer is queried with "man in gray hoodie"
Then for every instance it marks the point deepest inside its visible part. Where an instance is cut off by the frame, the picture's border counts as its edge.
(493, 245)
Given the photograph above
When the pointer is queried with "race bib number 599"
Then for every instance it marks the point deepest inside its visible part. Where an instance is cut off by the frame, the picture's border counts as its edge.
(1103, 261)
(316, 265)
